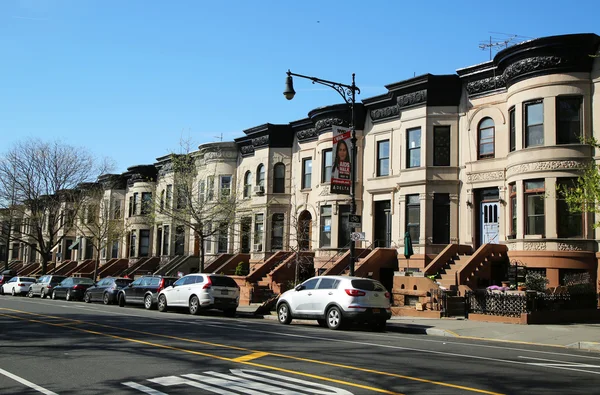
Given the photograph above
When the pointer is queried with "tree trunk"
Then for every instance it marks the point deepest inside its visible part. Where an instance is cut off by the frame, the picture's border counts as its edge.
(201, 260)
(45, 260)
(96, 266)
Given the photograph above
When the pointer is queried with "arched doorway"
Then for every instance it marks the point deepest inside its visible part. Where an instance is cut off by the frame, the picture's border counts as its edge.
(304, 231)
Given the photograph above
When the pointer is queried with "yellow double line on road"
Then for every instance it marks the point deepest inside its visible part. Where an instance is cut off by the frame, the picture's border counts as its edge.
(246, 359)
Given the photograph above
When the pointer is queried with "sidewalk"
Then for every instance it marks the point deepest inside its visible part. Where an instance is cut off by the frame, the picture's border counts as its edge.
(579, 336)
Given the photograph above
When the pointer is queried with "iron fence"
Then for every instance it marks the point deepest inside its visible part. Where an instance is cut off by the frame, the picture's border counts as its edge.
(513, 305)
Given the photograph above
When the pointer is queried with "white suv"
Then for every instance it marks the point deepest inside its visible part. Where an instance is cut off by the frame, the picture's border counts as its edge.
(201, 291)
(336, 300)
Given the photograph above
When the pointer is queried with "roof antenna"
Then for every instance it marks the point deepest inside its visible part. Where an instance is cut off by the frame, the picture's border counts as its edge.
(500, 43)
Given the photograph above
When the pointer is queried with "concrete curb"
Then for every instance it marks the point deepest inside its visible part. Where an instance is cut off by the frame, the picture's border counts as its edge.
(590, 346)
(391, 327)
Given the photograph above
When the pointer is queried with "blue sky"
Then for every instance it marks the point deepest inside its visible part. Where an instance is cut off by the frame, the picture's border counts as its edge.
(128, 79)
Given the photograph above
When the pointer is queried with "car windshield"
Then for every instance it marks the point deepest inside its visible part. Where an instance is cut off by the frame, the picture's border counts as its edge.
(222, 281)
(57, 279)
(83, 280)
(367, 285)
(123, 282)
(28, 279)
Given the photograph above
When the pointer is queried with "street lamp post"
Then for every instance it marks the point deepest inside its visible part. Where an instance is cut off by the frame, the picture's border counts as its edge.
(348, 93)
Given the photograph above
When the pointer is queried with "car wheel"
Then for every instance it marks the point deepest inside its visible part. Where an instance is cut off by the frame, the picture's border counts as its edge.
(13, 293)
(42, 294)
(68, 296)
(334, 318)
(53, 295)
(229, 312)
(121, 300)
(106, 298)
(86, 298)
(194, 305)
(283, 314)
(30, 293)
(148, 302)
(162, 303)
(322, 323)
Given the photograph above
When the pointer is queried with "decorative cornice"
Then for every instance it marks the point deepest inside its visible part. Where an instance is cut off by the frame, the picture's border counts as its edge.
(515, 70)
(489, 176)
(529, 65)
(411, 99)
(486, 84)
(545, 166)
(386, 112)
(247, 150)
(260, 141)
(307, 134)
(328, 122)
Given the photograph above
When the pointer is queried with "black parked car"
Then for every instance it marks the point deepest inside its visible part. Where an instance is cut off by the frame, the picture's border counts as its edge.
(106, 290)
(72, 288)
(44, 285)
(144, 290)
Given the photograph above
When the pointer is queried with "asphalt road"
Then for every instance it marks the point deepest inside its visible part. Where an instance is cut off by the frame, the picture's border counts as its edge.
(58, 347)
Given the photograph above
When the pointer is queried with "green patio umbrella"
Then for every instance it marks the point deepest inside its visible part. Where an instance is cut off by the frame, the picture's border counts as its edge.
(408, 250)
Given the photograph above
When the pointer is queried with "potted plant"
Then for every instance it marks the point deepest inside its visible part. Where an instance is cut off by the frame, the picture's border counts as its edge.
(521, 287)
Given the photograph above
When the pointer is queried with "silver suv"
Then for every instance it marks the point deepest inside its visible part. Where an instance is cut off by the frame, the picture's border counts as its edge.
(201, 291)
(336, 300)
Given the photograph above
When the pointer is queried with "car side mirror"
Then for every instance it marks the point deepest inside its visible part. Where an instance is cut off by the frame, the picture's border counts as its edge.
(299, 287)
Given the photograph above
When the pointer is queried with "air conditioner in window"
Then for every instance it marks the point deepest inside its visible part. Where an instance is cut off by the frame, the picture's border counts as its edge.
(259, 189)
(258, 247)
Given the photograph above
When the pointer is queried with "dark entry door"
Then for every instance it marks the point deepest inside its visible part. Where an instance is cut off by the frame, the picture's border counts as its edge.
(383, 224)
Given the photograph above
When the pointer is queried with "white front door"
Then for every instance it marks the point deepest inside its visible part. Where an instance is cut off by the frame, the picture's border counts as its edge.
(490, 222)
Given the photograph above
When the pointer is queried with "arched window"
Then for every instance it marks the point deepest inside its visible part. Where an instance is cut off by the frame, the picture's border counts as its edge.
(248, 184)
(260, 175)
(485, 134)
(279, 178)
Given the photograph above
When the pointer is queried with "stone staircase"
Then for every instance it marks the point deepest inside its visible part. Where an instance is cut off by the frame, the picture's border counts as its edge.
(446, 265)
(447, 277)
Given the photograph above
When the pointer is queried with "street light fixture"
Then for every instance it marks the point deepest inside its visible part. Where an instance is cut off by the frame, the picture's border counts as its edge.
(348, 93)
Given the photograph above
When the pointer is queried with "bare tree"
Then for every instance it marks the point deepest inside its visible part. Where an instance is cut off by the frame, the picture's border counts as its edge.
(39, 180)
(200, 198)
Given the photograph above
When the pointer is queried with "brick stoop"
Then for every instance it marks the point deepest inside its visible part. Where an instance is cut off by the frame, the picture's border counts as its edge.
(412, 312)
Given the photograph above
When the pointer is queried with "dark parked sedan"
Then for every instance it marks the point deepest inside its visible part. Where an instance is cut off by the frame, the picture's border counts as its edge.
(144, 290)
(106, 290)
(72, 288)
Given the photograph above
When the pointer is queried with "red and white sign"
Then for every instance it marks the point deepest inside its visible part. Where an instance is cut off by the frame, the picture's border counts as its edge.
(341, 170)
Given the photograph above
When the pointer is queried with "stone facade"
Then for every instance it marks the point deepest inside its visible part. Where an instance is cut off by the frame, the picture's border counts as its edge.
(471, 157)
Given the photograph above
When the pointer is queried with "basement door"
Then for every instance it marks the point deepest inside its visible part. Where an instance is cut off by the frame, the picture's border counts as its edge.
(490, 225)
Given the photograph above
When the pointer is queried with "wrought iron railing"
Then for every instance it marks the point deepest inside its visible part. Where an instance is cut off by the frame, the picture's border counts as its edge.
(502, 304)
(515, 304)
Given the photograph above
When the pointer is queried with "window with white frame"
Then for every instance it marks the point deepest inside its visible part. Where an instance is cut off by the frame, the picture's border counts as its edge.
(534, 123)
(383, 158)
(259, 227)
(413, 147)
(327, 163)
(260, 175)
(306, 172)
(248, 184)
(534, 207)
(325, 239)
(485, 137)
(279, 178)
(225, 186)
